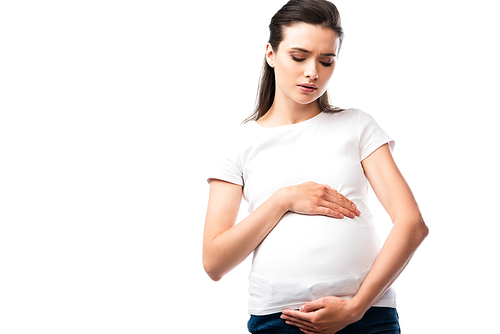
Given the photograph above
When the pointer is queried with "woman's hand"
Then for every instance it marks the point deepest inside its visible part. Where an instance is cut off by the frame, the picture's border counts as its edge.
(326, 315)
(311, 198)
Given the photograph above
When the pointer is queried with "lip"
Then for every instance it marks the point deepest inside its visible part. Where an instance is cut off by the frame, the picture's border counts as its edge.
(307, 88)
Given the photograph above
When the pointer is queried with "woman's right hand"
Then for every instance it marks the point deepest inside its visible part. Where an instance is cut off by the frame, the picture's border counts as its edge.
(311, 198)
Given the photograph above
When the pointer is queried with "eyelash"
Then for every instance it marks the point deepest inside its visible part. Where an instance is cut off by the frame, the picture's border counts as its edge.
(302, 59)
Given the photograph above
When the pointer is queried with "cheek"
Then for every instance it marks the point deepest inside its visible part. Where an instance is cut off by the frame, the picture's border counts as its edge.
(327, 73)
(285, 75)
(287, 69)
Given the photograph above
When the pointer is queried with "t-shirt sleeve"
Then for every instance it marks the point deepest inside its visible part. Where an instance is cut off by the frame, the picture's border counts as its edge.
(371, 135)
(225, 163)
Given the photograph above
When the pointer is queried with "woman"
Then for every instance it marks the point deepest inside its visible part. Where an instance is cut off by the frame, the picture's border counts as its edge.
(304, 167)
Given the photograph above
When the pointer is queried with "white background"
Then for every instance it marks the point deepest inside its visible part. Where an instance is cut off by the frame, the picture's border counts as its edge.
(108, 109)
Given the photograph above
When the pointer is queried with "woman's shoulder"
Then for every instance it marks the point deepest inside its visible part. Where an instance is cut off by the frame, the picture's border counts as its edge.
(348, 112)
(351, 114)
(345, 114)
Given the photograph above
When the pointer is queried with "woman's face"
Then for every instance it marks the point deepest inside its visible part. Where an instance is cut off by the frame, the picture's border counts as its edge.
(304, 62)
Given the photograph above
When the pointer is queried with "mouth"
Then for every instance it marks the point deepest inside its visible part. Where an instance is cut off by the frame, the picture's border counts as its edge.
(307, 88)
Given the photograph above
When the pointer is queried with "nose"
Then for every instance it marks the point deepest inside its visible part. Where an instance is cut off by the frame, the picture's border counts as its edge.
(311, 71)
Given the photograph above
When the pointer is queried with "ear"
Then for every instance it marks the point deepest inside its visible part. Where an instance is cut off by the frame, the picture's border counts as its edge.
(270, 55)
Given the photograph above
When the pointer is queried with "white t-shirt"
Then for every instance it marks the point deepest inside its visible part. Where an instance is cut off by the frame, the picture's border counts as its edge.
(307, 257)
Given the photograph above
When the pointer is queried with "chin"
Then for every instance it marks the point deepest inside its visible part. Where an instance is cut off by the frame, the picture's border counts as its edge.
(306, 99)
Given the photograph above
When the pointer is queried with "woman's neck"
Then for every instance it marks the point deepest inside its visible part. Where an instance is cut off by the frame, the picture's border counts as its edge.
(285, 111)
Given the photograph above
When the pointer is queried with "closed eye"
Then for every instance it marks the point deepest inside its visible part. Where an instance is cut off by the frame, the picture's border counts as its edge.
(325, 64)
(298, 59)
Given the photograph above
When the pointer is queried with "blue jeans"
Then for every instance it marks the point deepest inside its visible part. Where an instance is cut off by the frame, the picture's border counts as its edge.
(377, 320)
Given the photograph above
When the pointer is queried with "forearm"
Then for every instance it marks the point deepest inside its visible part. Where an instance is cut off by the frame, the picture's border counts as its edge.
(230, 248)
(402, 242)
(226, 245)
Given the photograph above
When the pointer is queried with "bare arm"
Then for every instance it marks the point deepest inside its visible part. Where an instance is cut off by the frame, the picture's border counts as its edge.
(407, 234)
(330, 314)
(225, 245)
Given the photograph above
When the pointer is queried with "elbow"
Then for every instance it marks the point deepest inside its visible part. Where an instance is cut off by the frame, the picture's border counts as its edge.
(421, 231)
(425, 230)
(211, 270)
(214, 276)
(415, 226)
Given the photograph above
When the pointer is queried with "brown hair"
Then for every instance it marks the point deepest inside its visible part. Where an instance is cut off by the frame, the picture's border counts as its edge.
(316, 12)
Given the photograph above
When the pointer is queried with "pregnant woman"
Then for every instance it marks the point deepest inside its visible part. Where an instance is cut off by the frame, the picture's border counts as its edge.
(304, 167)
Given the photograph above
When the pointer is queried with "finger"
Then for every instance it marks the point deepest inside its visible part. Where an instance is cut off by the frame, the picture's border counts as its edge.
(312, 306)
(299, 319)
(327, 210)
(298, 323)
(296, 316)
(344, 202)
(334, 210)
(339, 199)
(301, 326)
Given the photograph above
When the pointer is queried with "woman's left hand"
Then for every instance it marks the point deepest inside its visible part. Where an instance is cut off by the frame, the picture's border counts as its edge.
(326, 315)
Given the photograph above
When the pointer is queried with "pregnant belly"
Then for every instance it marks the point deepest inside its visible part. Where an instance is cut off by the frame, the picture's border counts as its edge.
(317, 248)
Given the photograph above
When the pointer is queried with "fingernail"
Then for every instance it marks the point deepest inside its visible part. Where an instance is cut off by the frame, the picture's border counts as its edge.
(341, 216)
(358, 212)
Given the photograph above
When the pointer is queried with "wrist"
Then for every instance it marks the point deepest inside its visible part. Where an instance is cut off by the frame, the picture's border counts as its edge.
(358, 307)
(282, 198)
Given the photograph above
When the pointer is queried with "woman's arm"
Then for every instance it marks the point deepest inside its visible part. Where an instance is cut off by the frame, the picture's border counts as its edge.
(330, 314)
(407, 234)
(225, 245)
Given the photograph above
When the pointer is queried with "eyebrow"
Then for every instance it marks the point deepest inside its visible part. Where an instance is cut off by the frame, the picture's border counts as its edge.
(307, 51)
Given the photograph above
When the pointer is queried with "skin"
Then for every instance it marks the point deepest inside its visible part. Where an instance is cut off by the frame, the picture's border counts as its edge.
(226, 245)
(293, 67)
